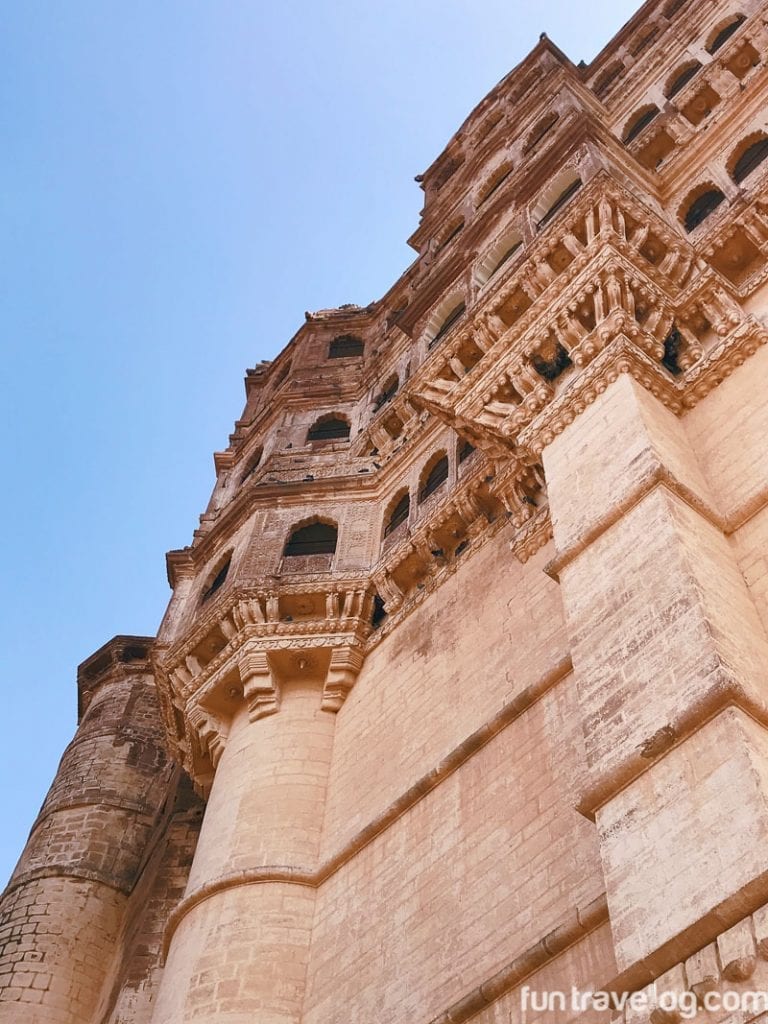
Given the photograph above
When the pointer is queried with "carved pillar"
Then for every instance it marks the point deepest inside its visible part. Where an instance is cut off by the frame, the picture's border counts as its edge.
(240, 938)
(670, 660)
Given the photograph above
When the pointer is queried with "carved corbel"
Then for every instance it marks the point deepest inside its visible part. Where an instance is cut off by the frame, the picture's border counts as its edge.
(193, 665)
(343, 670)
(211, 733)
(457, 366)
(180, 677)
(259, 687)
(472, 513)
(494, 325)
(388, 590)
(639, 235)
(227, 627)
(572, 244)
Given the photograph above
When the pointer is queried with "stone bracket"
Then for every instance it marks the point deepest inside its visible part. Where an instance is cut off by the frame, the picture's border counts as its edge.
(343, 670)
(260, 688)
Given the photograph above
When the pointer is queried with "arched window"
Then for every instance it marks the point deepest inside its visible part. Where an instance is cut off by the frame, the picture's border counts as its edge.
(555, 196)
(701, 207)
(498, 255)
(681, 78)
(313, 539)
(434, 477)
(456, 313)
(218, 580)
(639, 121)
(252, 465)
(345, 346)
(751, 157)
(540, 129)
(399, 513)
(329, 428)
(387, 393)
(724, 34)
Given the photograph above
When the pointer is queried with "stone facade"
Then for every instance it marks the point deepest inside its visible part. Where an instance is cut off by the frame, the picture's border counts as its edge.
(461, 692)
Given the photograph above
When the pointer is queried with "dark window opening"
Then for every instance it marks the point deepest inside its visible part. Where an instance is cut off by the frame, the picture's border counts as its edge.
(379, 611)
(725, 34)
(672, 345)
(332, 429)
(751, 158)
(344, 346)
(639, 124)
(315, 539)
(133, 653)
(435, 479)
(683, 79)
(387, 394)
(550, 369)
(218, 580)
(701, 208)
(448, 323)
(560, 202)
(465, 450)
(461, 548)
(399, 514)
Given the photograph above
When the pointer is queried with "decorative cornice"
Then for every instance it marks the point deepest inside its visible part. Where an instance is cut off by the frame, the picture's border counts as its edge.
(627, 282)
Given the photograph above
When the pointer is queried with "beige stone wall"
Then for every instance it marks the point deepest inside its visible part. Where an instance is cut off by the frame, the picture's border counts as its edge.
(480, 869)
(493, 629)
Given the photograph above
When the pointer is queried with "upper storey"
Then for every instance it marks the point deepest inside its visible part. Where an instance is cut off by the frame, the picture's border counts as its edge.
(673, 91)
(668, 109)
(583, 221)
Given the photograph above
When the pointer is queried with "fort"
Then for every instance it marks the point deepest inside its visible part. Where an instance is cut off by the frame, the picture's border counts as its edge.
(461, 695)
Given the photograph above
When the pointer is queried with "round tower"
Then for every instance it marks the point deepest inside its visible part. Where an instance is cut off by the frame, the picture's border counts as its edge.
(62, 911)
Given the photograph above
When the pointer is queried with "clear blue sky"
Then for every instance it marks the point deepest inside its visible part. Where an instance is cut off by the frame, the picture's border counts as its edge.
(179, 181)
